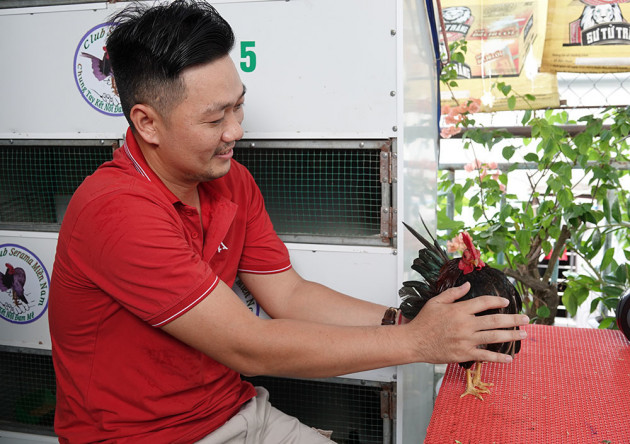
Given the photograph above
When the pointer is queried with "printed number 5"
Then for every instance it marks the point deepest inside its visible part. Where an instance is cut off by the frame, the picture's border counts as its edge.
(248, 56)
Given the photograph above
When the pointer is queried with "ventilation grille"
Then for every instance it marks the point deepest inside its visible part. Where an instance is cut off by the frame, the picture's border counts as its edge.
(333, 192)
(27, 392)
(352, 411)
(38, 181)
(321, 192)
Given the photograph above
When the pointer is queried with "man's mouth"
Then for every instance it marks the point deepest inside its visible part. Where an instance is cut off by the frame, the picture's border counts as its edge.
(225, 153)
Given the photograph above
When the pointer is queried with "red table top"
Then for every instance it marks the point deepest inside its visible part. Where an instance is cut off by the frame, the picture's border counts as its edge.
(567, 385)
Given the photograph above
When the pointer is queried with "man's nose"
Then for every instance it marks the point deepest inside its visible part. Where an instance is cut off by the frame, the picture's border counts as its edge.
(234, 130)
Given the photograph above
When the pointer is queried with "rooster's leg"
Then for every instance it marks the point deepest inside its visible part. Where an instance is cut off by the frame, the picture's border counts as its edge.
(474, 386)
(482, 386)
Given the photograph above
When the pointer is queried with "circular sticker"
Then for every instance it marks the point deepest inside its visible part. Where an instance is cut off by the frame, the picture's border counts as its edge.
(24, 285)
(93, 72)
(248, 299)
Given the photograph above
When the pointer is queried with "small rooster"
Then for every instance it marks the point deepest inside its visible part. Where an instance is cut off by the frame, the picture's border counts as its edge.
(14, 279)
(101, 68)
(441, 273)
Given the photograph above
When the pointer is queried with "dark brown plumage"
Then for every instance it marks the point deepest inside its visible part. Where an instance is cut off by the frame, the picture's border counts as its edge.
(441, 273)
(13, 279)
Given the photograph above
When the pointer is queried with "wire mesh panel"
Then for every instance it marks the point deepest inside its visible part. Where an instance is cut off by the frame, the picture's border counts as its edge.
(352, 411)
(330, 192)
(39, 178)
(315, 191)
(594, 90)
(27, 393)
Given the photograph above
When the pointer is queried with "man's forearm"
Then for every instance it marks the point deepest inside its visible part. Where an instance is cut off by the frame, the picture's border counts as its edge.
(300, 299)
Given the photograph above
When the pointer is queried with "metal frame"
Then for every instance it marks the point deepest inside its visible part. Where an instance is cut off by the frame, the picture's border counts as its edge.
(114, 143)
(6, 4)
(26, 350)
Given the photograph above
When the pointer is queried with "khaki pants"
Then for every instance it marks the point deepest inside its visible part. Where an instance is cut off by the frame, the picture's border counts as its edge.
(258, 422)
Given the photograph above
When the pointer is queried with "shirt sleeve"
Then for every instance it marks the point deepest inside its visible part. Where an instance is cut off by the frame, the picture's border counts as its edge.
(263, 252)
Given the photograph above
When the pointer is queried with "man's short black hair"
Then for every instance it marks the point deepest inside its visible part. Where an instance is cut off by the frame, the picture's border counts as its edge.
(150, 46)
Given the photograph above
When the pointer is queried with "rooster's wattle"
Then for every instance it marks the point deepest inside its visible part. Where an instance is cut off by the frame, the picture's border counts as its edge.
(441, 273)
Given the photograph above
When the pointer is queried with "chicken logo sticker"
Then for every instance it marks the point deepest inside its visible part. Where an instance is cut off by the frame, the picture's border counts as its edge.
(93, 72)
(24, 285)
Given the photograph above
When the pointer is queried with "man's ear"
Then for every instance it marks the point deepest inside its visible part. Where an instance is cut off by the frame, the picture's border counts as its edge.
(145, 120)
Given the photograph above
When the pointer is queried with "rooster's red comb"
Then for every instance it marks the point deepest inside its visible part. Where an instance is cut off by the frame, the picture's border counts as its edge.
(468, 241)
(471, 258)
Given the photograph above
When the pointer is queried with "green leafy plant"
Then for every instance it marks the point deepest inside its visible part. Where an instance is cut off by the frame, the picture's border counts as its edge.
(515, 233)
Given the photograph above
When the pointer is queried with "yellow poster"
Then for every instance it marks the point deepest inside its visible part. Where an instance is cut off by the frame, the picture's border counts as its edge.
(504, 44)
(587, 36)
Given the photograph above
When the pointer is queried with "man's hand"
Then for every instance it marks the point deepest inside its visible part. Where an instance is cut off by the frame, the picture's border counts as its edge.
(448, 331)
(308, 344)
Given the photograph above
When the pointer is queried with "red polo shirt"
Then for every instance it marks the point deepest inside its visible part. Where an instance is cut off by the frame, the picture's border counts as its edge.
(130, 258)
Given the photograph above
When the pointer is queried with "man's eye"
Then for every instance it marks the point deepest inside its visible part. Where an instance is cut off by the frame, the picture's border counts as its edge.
(218, 120)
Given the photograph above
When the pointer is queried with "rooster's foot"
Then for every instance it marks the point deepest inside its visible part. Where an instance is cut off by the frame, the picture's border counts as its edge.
(475, 392)
(474, 385)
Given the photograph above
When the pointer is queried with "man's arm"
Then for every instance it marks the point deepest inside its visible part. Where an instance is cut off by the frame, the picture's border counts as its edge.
(287, 295)
(222, 327)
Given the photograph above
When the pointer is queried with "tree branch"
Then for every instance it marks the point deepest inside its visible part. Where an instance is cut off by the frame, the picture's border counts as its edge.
(534, 251)
(528, 281)
(558, 249)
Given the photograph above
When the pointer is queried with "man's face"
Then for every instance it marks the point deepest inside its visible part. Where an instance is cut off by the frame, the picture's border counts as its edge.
(197, 137)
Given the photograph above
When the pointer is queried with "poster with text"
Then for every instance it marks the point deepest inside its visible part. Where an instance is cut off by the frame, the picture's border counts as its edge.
(587, 36)
(504, 42)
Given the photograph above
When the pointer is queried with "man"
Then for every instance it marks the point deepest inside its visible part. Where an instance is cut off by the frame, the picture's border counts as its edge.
(149, 340)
